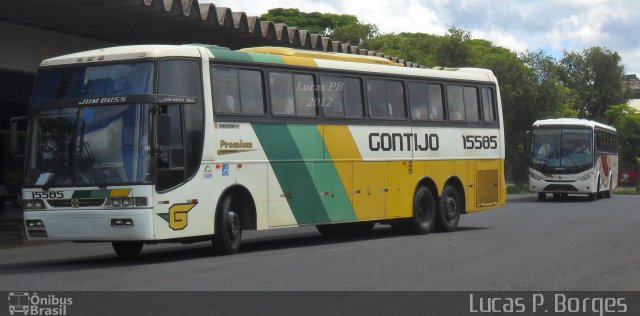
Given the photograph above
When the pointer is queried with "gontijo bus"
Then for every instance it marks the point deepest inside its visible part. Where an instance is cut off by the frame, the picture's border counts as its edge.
(146, 144)
(573, 156)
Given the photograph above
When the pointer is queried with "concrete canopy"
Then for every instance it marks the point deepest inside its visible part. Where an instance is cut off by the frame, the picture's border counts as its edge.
(167, 22)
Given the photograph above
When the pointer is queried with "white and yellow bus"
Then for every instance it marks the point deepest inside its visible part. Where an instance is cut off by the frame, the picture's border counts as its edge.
(573, 156)
(147, 144)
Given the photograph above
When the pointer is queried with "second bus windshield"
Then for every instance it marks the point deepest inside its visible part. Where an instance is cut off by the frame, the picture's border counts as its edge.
(566, 148)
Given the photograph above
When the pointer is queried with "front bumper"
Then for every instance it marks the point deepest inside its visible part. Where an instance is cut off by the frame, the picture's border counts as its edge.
(90, 225)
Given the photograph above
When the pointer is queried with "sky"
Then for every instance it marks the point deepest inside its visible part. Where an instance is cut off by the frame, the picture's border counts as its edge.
(553, 26)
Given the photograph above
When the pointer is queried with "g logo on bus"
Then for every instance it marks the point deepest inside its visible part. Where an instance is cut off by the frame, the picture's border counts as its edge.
(75, 203)
(177, 216)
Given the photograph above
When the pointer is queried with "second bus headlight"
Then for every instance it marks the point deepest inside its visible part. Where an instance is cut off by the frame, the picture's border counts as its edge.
(585, 177)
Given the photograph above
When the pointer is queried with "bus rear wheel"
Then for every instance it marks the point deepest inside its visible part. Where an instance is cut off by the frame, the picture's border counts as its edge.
(607, 194)
(228, 235)
(424, 214)
(127, 249)
(449, 212)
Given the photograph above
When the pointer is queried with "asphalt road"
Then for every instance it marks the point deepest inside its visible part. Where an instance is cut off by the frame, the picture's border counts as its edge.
(525, 245)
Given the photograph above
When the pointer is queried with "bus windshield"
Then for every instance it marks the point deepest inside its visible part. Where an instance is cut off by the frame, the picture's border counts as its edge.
(94, 81)
(568, 149)
(89, 146)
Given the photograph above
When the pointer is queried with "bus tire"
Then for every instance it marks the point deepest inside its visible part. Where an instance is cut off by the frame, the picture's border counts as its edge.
(607, 194)
(542, 196)
(127, 249)
(424, 213)
(448, 214)
(228, 236)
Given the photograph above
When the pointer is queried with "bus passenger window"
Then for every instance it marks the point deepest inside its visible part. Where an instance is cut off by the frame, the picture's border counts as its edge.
(487, 105)
(332, 101)
(377, 93)
(386, 99)
(455, 100)
(226, 96)
(281, 88)
(305, 95)
(436, 103)
(418, 101)
(352, 97)
(251, 94)
(395, 99)
(471, 104)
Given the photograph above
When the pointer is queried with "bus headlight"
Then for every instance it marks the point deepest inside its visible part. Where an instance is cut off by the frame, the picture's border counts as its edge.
(126, 202)
(535, 176)
(33, 204)
(585, 177)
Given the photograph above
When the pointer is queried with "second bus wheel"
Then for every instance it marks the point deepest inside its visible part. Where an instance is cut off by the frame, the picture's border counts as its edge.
(450, 207)
(228, 234)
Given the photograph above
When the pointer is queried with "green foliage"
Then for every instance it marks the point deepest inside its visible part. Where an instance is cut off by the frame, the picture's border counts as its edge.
(627, 121)
(342, 27)
(355, 33)
(595, 77)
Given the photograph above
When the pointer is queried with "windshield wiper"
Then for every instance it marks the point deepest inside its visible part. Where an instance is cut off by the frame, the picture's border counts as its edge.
(86, 147)
(573, 162)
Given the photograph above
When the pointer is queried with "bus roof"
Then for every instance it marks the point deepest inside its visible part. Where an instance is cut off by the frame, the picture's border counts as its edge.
(571, 122)
(284, 51)
(271, 55)
(130, 52)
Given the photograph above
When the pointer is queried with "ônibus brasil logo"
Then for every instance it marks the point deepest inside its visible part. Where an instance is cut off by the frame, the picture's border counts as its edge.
(25, 303)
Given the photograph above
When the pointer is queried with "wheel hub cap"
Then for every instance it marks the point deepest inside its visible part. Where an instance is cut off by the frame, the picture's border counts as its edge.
(234, 225)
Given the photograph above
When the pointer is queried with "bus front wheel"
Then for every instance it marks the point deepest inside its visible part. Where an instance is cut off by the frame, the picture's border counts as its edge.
(127, 249)
(228, 233)
(542, 196)
(449, 212)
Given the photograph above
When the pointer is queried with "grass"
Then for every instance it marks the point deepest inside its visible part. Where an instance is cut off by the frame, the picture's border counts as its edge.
(518, 189)
(624, 191)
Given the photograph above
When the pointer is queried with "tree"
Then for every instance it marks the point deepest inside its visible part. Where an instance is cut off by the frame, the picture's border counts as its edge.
(595, 77)
(355, 33)
(341, 27)
(627, 121)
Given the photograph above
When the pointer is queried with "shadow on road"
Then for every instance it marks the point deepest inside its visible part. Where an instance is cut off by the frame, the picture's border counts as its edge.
(181, 253)
(549, 199)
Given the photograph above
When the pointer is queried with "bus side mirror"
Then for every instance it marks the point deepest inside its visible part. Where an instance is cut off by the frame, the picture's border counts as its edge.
(18, 144)
(163, 130)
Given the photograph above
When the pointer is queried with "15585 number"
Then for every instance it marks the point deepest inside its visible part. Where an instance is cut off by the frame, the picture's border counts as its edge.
(47, 194)
(479, 142)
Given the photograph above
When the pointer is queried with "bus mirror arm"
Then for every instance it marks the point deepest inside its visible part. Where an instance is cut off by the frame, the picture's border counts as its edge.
(17, 146)
(163, 130)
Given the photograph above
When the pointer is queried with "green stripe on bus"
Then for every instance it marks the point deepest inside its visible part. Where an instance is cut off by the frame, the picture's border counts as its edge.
(224, 53)
(294, 177)
(314, 189)
(330, 192)
(266, 58)
(81, 194)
